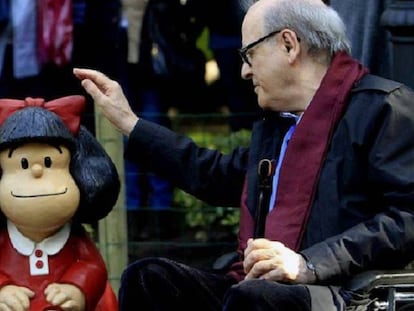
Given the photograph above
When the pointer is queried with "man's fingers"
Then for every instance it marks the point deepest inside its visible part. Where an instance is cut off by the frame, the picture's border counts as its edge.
(253, 257)
(92, 89)
(260, 268)
(94, 75)
(253, 244)
(100, 80)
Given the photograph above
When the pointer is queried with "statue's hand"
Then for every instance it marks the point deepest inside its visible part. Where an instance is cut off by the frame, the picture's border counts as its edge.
(68, 297)
(14, 297)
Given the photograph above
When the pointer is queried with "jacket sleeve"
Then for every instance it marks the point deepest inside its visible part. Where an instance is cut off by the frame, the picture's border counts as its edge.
(209, 175)
(385, 238)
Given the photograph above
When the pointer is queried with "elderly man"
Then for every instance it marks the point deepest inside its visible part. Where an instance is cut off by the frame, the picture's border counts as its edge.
(340, 141)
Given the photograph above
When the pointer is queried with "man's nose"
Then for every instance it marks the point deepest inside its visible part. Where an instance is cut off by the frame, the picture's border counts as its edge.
(245, 71)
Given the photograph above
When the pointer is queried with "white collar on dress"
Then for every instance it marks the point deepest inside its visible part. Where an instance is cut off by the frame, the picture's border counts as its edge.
(51, 245)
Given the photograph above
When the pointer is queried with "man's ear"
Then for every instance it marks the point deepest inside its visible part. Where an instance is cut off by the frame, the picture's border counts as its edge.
(291, 44)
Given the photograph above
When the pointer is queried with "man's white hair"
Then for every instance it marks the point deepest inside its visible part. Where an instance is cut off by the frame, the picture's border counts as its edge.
(316, 24)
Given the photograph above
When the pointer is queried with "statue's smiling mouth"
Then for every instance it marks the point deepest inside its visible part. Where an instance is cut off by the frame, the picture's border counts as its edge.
(38, 195)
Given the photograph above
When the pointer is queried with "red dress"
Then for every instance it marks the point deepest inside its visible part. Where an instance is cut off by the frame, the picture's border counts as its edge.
(78, 262)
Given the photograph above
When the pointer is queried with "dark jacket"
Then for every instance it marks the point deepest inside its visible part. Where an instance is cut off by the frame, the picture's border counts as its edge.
(168, 45)
(362, 216)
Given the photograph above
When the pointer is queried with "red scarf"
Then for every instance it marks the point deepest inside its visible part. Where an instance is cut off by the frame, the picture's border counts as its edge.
(306, 152)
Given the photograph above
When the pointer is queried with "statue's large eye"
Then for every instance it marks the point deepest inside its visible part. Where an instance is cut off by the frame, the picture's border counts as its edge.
(24, 163)
(48, 162)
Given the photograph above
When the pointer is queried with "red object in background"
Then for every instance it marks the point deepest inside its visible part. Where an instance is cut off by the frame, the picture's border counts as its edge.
(55, 31)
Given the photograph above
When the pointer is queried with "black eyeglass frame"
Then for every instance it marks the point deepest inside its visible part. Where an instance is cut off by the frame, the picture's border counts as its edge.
(243, 51)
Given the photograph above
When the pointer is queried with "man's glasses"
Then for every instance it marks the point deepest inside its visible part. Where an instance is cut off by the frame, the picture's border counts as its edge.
(244, 50)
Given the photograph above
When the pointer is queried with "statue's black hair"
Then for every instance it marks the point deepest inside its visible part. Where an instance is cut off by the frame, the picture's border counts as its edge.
(91, 167)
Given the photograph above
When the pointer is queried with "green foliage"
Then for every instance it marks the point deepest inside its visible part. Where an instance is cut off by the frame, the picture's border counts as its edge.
(212, 223)
(203, 44)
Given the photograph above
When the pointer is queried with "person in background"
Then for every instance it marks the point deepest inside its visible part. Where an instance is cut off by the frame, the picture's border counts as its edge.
(371, 43)
(19, 64)
(41, 41)
(134, 13)
(223, 20)
(98, 42)
(339, 142)
(169, 73)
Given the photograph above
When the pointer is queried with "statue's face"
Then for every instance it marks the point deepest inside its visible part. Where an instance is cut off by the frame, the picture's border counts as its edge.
(37, 191)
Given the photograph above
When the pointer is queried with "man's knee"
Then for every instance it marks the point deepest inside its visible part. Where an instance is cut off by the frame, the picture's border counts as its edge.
(241, 295)
(144, 271)
(267, 295)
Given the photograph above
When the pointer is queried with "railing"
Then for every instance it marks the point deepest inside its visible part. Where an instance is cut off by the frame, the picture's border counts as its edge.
(199, 233)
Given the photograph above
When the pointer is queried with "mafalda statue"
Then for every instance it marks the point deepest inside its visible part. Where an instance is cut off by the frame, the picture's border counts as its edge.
(55, 176)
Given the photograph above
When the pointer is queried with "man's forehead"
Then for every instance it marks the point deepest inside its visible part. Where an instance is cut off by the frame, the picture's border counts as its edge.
(254, 15)
(252, 27)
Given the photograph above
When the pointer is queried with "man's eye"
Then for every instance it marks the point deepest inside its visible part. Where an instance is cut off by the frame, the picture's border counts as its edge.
(48, 162)
(24, 163)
